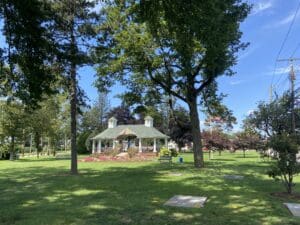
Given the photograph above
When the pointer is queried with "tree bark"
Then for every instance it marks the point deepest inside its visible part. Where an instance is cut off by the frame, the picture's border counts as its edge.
(65, 144)
(74, 169)
(30, 148)
(12, 148)
(196, 134)
(290, 184)
(37, 139)
(73, 95)
(24, 143)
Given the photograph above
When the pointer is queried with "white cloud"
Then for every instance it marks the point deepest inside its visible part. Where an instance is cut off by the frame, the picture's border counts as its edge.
(98, 6)
(283, 70)
(236, 82)
(249, 112)
(284, 21)
(261, 6)
(248, 51)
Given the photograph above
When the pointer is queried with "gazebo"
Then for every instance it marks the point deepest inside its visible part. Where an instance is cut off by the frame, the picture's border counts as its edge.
(116, 133)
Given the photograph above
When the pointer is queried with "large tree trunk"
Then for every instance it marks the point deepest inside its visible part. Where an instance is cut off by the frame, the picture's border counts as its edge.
(30, 148)
(37, 140)
(290, 184)
(12, 148)
(73, 93)
(197, 145)
(73, 90)
(65, 144)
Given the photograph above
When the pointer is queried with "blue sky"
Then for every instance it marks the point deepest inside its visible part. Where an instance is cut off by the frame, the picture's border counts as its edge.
(265, 29)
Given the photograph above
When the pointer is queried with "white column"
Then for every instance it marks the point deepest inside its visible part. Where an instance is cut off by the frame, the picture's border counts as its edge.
(140, 145)
(99, 146)
(93, 146)
(166, 143)
(154, 145)
(114, 144)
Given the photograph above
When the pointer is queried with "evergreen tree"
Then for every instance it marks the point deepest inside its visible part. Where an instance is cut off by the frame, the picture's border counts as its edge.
(72, 31)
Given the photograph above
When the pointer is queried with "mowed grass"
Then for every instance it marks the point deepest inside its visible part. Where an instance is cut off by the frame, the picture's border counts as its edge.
(36, 192)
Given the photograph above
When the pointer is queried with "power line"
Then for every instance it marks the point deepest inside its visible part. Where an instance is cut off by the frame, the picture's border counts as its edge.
(284, 40)
(279, 78)
(281, 86)
(296, 49)
(292, 78)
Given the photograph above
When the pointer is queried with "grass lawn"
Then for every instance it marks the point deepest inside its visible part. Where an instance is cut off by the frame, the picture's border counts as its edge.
(36, 192)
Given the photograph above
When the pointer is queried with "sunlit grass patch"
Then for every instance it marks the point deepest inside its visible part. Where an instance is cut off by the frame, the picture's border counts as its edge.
(35, 192)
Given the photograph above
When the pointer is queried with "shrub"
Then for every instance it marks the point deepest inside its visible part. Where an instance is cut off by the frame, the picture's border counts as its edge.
(132, 152)
(286, 166)
(164, 152)
(81, 140)
(174, 153)
(114, 152)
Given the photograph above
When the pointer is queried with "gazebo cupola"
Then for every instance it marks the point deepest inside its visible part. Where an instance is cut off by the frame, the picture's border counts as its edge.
(148, 121)
(112, 122)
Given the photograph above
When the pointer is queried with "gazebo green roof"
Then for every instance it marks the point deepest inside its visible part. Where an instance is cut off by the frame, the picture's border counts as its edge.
(141, 131)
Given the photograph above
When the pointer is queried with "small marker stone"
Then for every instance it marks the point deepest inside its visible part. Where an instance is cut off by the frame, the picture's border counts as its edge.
(233, 177)
(186, 201)
(294, 208)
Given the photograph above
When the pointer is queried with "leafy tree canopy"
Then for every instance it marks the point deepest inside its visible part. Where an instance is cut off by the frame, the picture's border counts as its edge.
(173, 47)
(275, 117)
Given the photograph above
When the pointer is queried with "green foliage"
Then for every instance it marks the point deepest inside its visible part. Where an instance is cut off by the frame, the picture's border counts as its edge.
(180, 126)
(95, 118)
(12, 126)
(164, 151)
(274, 118)
(30, 49)
(153, 46)
(4, 149)
(174, 153)
(286, 166)
(132, 152)
(113, 151)
(122, 114)
(81, 143)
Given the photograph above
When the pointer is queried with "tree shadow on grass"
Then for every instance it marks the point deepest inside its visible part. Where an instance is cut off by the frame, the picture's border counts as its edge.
(215, 159)
(40, 159)
(134, 195)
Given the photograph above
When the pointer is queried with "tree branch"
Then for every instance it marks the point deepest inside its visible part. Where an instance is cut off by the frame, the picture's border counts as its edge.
(198, 68)
(204, 84)
(164, 86)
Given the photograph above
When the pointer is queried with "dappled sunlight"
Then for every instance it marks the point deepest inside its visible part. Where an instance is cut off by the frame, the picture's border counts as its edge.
(134, 193)
(185, 216)
(29, 203)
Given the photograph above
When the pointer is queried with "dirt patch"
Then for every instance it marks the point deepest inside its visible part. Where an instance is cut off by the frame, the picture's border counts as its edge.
(285, 195)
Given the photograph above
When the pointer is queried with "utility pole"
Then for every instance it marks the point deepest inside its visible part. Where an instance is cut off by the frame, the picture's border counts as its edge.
(271, 93)
(292, 78)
